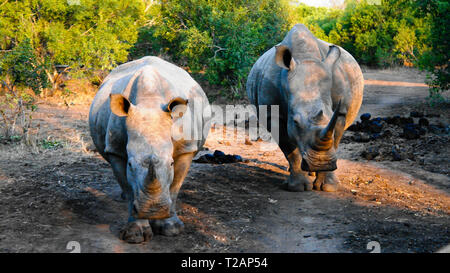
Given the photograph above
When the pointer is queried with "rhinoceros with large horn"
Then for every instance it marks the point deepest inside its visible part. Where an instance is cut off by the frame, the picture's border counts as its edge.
(148, 119)
(319, 89)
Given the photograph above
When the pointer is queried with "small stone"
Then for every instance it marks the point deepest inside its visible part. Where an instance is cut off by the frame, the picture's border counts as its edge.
(361, 137)
(237, 158)
(410, 131)
(386, 134)
(396, 155)
(434, 129)
(416, 114)
(433, 115)
(365, 116)
(423, 122)
(370, 153)
(218, 153)
(375, 126)
(355, 127)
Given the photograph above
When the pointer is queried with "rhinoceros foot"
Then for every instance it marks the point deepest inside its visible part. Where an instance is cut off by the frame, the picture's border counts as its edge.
(326, 181)
(136, 232)
(169, 227)
(297, 182)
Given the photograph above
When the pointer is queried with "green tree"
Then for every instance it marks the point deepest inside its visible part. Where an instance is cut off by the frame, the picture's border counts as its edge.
(19, 68)
(86, 34)
(218, 40)
(436, 59)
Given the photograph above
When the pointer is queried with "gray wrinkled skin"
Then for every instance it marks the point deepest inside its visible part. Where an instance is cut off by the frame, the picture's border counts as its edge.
(131, 120)
(308, 78)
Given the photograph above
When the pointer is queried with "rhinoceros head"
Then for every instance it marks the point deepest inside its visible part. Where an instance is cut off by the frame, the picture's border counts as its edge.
(311, 120)
(150, 152)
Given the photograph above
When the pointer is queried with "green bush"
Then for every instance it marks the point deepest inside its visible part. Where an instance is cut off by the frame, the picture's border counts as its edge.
(87, 35)
(436, 59)
(217, 40)
(19, 68)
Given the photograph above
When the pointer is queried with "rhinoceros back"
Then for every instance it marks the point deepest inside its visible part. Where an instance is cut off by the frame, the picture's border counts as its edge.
(166, 80)
(264, 81)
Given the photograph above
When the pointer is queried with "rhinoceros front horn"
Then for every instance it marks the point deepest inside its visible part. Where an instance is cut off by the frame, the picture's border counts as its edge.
(325, 140)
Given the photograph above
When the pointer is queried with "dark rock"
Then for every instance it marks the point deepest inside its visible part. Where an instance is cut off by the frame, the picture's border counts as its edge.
(218, 157)
(207, 158)
(355, 127)
(422, 131)
(396, 156)
(433, 115)
(370, 153)
(411, 131)
(434, 129)
(365, 126)
(218, 153)
(416, 114)
(386, 134)
(361, 137)
(375, 136)
(365, 116)
(375, 126)
(395, 120)
(404, 121)
(423, 122)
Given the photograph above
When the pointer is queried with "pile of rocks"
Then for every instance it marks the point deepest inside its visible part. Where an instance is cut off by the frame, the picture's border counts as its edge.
(218, 157)
(371, 129)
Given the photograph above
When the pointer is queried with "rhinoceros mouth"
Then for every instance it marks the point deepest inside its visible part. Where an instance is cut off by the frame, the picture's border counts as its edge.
(316, 161)
(151, 209)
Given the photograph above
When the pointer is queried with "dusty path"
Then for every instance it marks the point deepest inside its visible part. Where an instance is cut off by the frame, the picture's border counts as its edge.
(52, 196)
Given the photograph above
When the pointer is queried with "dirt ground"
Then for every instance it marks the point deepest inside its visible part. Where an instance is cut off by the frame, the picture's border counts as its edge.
(64, 191)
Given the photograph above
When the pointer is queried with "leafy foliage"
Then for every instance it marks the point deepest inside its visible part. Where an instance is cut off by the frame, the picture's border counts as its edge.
(436, 59)
(84, 34)
(19, 68)
(217, 39)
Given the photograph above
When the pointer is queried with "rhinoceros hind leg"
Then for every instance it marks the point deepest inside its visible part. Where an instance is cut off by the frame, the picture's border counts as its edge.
(136, 232)
(326, 181)
(169, 227)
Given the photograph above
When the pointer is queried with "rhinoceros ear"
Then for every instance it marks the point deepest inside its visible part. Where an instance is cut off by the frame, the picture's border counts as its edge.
(283, 57)
(169, 107)
(119, 105)
(333, 55)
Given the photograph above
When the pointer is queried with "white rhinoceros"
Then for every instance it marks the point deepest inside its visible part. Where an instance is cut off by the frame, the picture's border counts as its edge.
(132, 121)
(319, 90)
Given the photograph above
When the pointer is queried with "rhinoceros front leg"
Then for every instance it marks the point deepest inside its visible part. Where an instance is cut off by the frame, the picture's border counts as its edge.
(298, 180)
(119, 166)
(173, 225)
(136, 230)
(328, 181)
